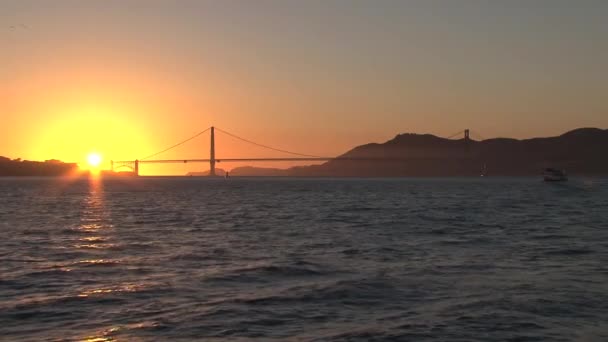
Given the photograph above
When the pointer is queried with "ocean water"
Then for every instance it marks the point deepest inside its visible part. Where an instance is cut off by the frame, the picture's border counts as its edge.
(154, 259)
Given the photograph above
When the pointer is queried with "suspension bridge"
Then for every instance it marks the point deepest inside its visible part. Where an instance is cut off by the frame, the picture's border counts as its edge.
(134, 165)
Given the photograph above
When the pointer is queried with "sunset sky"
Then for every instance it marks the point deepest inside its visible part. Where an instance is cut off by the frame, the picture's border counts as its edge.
(128, 78)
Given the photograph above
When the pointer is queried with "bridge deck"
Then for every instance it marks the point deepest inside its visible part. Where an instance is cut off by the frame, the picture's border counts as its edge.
(220, 160)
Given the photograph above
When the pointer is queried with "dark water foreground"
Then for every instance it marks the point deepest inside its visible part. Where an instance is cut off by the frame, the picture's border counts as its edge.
(154, 259)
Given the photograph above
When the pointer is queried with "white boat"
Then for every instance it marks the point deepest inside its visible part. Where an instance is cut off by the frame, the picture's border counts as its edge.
(554, 175)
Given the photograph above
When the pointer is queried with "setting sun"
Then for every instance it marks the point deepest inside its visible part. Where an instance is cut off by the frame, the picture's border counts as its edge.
(94, 159)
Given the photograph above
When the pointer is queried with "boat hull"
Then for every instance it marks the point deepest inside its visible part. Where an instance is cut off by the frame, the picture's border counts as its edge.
(554, 175)
(555, 179)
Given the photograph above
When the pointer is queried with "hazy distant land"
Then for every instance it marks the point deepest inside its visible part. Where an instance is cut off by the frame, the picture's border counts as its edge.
(580, 152)
(249, 171)
(18, 167)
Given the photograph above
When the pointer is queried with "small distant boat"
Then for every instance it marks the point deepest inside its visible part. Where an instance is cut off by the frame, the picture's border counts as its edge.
(554, 175)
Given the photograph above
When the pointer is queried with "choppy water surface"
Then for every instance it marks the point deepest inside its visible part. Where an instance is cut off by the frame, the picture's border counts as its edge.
(304, 259)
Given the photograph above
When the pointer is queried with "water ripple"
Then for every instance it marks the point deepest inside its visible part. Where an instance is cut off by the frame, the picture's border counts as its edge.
(151, 259)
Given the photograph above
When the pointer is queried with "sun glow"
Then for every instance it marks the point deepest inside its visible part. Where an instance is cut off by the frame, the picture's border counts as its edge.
(90, 122)
(94, 160)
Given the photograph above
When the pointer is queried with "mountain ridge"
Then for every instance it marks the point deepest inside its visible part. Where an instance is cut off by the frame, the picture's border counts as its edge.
(579, 151)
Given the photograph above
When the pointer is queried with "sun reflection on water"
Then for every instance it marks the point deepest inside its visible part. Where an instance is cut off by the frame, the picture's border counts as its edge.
(112, 333)
(105, 336)
(96, 238)
(98, 261)
(94, 218)
(93, 239)
(98, 339)
(115, 289)
(94, 245)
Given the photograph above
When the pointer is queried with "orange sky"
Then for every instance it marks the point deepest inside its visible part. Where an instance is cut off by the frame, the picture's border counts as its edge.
(126, 81)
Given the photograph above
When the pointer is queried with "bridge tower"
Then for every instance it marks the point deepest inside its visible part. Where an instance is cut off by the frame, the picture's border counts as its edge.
(466, 135)
(212, 153)
(136, 168)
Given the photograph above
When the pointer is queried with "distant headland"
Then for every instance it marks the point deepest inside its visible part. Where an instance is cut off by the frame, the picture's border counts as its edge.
(17, 167)
(580, 152)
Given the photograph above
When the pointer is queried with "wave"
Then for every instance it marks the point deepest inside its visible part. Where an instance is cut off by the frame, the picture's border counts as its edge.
(570, 251)
(268, 272)
(365, 291)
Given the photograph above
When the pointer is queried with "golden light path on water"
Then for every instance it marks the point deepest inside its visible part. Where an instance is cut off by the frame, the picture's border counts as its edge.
(98, 236)
(95, 218)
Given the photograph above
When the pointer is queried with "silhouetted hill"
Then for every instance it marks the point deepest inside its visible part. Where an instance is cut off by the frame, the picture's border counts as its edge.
(581, 151)
(18, 167)
(257, 171)
(242, 171)
(218, 172)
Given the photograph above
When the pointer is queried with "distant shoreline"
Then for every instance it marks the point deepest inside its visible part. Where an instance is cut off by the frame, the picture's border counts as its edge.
(27, 168)
(577, 176)
(580, 152)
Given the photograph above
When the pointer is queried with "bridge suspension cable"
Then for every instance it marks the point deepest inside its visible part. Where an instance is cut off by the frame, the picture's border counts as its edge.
(268, 147)
(176, 145)
(212, 159)
(455, 134)
(477, 135)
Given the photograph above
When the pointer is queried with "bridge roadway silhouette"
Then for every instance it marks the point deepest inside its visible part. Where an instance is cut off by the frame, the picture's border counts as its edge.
(212, 160)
